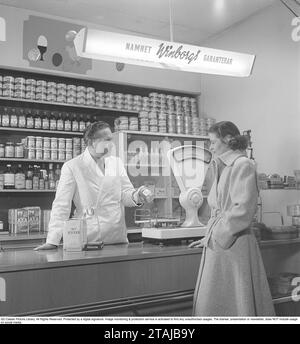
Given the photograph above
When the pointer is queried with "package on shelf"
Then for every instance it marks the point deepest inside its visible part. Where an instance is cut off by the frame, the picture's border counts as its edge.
(24, 220)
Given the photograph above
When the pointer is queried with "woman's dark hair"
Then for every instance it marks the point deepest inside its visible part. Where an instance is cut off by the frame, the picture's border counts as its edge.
(224, 128)
(92, 129)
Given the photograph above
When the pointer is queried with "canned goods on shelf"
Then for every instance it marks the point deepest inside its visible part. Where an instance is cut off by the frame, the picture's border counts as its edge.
(61, 99)
(80, 101)
(69, 155)
(119, 106)
(111, 105)
(30, 95)
(41, 83)
(8, 86)
(144, 128)
(30, 88)
(39, 154)
(46, 143)
(38, 142)
(100, 94)
(69, 144)
(61, 93)
(61, 143)
(31, 153)
(90, 96)
(71, 94)
(51, 84)
(81, 89)
(81, 95)
(19, 94)
(40, 96)
(61, 86)
(153, 129)
(8, 79)
(51, 91)
(8, 93)
(30, 82)
(153, 122)
(90, 102)
(53, 154)
(46, 154)
(134, 127)
(51, 98)
(71, 88)
(71, 100)
(20, 87)
(90, 90)
(54, 143)
(61, 155)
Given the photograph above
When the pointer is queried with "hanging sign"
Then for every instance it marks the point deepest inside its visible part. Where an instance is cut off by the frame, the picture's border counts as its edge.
(110, 46)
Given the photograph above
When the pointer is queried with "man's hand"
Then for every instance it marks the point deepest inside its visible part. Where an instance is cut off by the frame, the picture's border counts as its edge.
(45, 247)
(198, 243)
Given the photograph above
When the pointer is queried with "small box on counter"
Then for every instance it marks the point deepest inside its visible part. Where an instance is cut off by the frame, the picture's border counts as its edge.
(74, 235)
(24, 220)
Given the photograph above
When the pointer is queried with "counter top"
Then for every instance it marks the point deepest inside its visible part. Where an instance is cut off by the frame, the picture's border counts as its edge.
(27, 259)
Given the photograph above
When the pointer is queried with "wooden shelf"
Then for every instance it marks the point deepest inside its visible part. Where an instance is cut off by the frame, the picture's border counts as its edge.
(25, 191)
(40, 131)
(162, 134)
(31, 101)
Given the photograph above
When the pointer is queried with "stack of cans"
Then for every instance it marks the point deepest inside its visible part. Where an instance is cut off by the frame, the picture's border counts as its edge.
(30, 88)
(128, 102)
(41, 90)
(100, 99)
(133, 123)
(171, 123)
(90, 96)
(71, 94)
(137, 103)
(170, 103)
(119, 98)
(153, 122)
(187, 121)
(195, 126)
(146, 104)
(144, 121)
(76, 146)
(162, 122)
(194, 109)
(202, 127)
(179, 124)
(109, 99)
(8, 86)
(61, 93)
(121, 123)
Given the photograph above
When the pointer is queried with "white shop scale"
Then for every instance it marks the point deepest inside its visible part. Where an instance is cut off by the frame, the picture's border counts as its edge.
(189, 165)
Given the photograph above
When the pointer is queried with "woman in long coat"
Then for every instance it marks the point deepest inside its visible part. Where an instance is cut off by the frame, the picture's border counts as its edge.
(232, 280)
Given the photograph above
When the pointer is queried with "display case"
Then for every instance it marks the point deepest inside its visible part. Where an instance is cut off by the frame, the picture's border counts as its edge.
(144, 155)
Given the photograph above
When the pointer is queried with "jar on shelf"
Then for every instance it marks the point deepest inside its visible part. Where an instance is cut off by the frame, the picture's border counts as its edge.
(19, 150)
(2, 150)
(9, 150)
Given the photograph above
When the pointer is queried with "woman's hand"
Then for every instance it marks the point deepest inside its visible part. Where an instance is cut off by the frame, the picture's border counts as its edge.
(198, 243)
(45, 247)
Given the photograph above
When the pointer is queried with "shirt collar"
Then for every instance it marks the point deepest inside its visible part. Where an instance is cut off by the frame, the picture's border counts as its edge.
(229, 157)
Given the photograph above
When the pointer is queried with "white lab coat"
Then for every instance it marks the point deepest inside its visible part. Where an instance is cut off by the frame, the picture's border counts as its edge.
(82, 181)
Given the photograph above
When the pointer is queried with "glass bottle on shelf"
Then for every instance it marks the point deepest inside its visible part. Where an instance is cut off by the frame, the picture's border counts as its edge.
(57, 175)
(29, 119)
(37, 120)
(68, 124)
(13, 118)
(53, 121)
(35, 178)
(82, 123)
(22, 118)
(75, 124)
(20, 181)
(88, 121)
(28, 179)
(60, 122)
(51, 177)
(9, 178)
(42, 178)
(5, 117)
(46, 120)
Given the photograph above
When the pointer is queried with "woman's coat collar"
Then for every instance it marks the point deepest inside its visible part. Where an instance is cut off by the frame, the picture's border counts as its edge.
(229, 157)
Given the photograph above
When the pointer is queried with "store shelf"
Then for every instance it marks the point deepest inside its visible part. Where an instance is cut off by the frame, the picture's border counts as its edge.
(32, 160)
(31, 236)
(66, 105)
(163, 134)
(25, 191)
(37, 131)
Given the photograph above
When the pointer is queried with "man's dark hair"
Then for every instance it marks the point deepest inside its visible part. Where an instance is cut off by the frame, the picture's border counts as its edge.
(91, 130)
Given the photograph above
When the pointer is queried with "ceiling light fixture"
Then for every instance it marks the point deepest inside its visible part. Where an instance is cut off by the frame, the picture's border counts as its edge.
(142, 51)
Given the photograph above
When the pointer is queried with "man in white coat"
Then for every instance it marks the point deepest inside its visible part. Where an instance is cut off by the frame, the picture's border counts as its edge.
(94, 179)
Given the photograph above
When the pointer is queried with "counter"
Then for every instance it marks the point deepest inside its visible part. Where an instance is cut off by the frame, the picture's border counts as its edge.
(119, 280)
